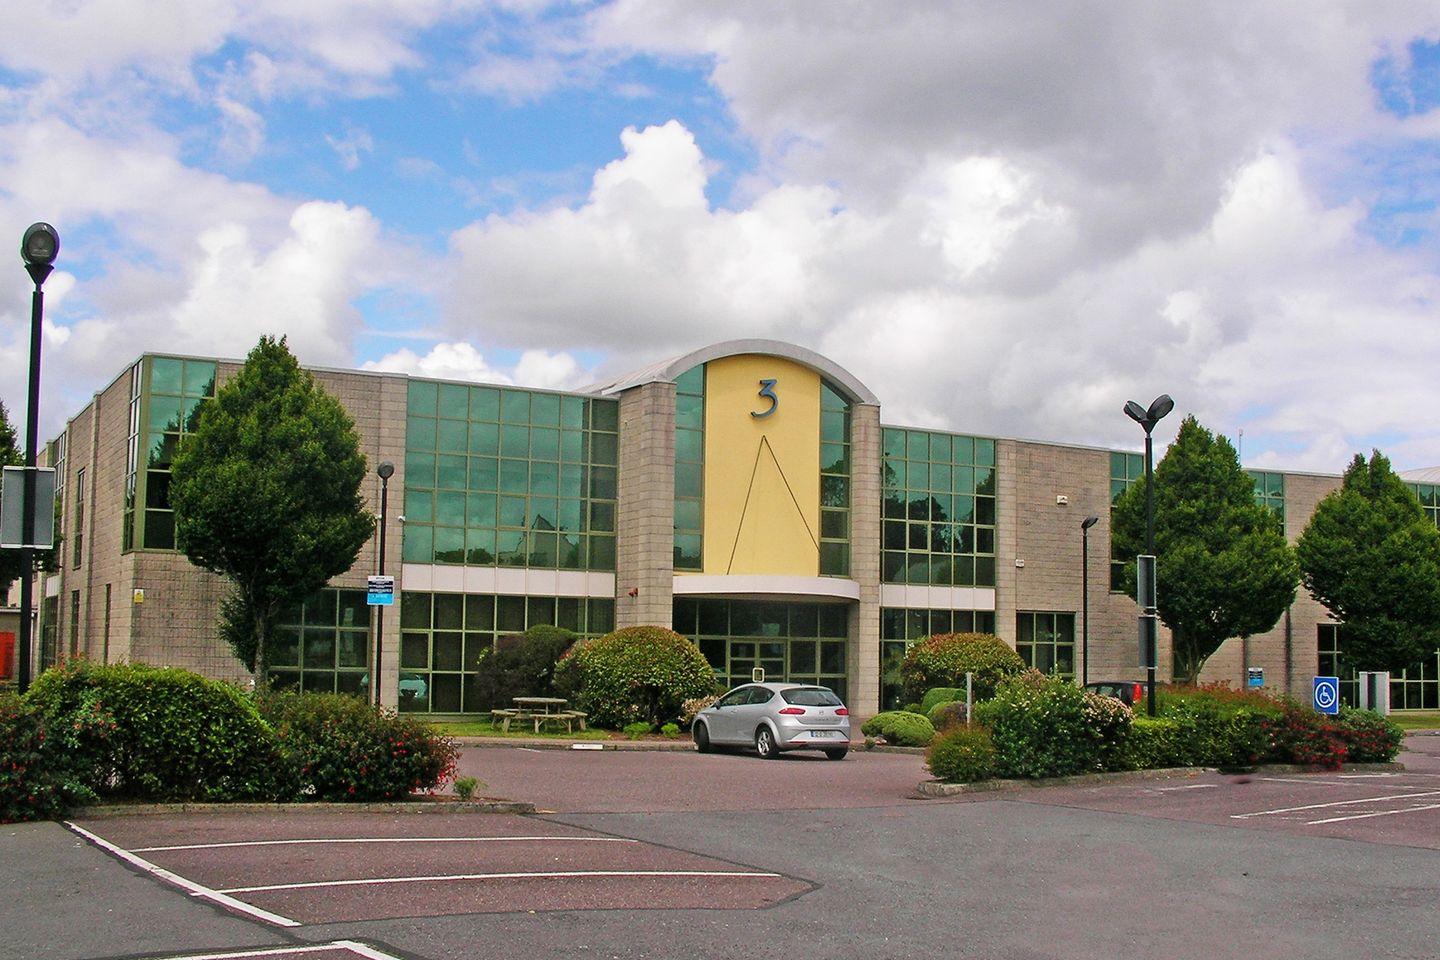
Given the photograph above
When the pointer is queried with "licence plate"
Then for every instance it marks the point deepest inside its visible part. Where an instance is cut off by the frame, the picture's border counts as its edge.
(823, 733)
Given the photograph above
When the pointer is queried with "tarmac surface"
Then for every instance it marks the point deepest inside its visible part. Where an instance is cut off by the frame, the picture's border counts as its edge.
(676, 854)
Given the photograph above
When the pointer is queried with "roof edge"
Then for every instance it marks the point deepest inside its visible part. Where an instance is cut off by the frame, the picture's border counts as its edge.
(666, 371)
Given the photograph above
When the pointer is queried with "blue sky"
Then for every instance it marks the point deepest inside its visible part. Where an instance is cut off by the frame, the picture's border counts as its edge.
(1005, 218)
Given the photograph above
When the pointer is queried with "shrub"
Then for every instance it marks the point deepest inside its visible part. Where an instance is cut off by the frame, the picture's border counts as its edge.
(637, 729)
(341, 748)
(900, 727)
(1153, 744)
(943, 660)
(159, 734)
(31, 784)
(694, 705)
(962, 755)
(943, 716)
(465, 787)
(634, 674)
(1369, 737)
(1308, 738)
(938, 695)
(1048, 727)
(520, 665)
(671, 729)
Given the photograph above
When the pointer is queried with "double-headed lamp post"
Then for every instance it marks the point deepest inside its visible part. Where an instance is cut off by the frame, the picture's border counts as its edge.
(38, 248)
(1085, 526)
(385, 470)
(1147, 417)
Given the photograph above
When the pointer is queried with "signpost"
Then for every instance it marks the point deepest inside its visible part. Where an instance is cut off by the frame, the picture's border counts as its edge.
(1327, 694)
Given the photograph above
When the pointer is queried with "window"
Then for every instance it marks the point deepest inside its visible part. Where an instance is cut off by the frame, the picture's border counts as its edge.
(902, 627)
(690, 470)
(938, 509)
(1046, 641)
(1270, 492)
(1125, 470)
(77, 538)
(442, 636)
(834, 482)
(797, 642)
(324, 644)
(159, 417)
(514, 478)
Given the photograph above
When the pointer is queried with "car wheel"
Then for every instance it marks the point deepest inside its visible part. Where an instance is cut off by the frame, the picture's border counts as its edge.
(765, 744)
(702, 738)
(836, 754)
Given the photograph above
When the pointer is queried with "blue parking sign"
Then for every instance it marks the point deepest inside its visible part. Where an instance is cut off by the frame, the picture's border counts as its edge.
(1327, 694)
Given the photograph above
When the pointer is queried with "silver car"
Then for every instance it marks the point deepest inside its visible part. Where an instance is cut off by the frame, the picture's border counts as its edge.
(773, 717)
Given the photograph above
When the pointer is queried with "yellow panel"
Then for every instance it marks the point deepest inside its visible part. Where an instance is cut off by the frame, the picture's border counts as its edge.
(762, 474)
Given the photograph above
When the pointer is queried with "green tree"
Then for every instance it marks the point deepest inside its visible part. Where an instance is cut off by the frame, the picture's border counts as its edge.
(266, 493)
(1223, 568)
(1372, 557)
(10, 456)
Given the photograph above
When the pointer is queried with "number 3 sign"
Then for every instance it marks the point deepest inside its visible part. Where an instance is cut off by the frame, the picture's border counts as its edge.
(767, 390)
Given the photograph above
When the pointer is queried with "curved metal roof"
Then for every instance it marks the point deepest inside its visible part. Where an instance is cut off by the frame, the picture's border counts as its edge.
(665, 371)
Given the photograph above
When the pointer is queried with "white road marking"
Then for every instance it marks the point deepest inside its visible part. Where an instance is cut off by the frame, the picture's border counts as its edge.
(1337, 803)
(1379, 813)
(195, 889)
(1189, 786)
(363, 950)
(565, 875)
(281, 843)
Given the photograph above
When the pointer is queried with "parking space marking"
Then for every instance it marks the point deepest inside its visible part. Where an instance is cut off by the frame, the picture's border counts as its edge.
(195, 889)
(1189, 786)
(349, 946)
(1335, 803)
(1344, 780)
(368, 840)
(1378, 813)
(557, 875)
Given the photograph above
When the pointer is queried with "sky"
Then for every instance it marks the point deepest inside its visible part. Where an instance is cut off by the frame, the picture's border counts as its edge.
(1005, 218)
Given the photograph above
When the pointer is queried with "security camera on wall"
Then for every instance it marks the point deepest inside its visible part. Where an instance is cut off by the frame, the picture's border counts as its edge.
(401, 518)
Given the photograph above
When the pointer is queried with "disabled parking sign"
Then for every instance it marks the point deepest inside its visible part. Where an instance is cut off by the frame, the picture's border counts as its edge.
(1327, 694)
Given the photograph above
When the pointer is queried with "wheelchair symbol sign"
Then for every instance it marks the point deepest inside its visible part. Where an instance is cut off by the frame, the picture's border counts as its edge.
(1327, 694)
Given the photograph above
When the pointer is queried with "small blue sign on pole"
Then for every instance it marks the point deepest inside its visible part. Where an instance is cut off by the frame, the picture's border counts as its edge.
(1254, 676)
(1327, 694)
(381, 591)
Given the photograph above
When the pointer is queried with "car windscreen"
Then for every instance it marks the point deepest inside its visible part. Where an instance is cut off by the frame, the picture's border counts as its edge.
(812, 697)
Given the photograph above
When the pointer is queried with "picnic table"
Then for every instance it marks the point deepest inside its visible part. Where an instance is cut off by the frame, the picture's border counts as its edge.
(539, 711)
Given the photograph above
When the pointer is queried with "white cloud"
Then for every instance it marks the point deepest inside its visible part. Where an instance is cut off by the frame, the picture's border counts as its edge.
(461, 361)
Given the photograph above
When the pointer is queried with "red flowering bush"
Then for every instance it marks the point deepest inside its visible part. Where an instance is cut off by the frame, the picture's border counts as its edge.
(30, 782)
(341, 748)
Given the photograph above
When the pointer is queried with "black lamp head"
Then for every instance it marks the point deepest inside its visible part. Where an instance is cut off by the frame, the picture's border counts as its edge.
(40, 245)
(1089, 522)
(1159, 408)
(386, 470)
(1135, 412)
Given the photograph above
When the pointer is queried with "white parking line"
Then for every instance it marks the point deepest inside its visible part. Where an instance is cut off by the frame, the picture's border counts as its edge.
(377, 881)
(282, 843)
(196, 889)
(1337, 803)
(1189, 786)
(1379, 813)
(355, 947)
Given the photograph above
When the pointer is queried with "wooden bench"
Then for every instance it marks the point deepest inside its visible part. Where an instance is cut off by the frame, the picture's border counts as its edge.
(505, 716)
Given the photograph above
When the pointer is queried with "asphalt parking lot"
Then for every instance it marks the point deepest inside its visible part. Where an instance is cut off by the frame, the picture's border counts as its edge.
(678, 854)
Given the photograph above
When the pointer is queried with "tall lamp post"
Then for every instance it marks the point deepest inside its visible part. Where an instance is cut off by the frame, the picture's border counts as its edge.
(386, 470)
(1145, 567)
(1085, 526)
(38, 248)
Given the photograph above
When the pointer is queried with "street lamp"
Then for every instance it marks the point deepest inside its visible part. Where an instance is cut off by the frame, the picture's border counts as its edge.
(1147, 418)
(38, 248)
(386, 470)
(1085, 526)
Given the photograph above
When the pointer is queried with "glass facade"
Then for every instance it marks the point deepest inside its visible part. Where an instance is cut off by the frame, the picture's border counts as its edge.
(442, 635)
(1270, 491)
(938, 509)
(1125, 470)
(1429, 496)
(1415, 688)
(796, 642)
(900, 627)
(323, 644)
(690, 470)
(834, 483)
(166, 394)
(514, 478)
(1046, 641)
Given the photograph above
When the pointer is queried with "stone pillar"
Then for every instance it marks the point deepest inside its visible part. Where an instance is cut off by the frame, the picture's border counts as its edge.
(645, 514)
(863, 651)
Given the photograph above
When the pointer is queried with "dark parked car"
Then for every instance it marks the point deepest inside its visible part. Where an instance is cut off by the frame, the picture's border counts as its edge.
(1130, 692)
(773, 717)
